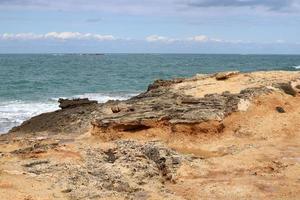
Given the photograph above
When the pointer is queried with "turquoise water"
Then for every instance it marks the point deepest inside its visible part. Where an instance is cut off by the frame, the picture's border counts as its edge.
(31, 84)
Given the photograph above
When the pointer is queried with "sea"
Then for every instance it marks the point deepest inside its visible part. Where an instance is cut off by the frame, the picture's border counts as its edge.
(31, 84)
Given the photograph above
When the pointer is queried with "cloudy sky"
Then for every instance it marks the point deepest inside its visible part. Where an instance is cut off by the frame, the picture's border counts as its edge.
(150, 26)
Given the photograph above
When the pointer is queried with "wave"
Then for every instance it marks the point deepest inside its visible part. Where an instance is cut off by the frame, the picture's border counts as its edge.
(13, 113)
(296, 67)
(100, 97)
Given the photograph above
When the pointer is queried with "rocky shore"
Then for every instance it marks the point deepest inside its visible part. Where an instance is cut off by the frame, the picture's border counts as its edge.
(228, 135)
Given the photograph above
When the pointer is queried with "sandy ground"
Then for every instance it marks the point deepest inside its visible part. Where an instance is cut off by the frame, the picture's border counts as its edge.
(199, 87)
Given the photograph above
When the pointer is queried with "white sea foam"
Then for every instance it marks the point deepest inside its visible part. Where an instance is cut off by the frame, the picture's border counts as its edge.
(296, 67)
(13, 113)
(101, 98)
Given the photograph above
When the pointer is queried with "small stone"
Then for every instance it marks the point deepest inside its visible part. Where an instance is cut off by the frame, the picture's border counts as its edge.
(68, 190)
(115, 109)
(111, 158)
(280, 109)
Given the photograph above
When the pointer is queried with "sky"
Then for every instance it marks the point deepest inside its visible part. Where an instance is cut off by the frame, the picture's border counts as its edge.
(150, 26)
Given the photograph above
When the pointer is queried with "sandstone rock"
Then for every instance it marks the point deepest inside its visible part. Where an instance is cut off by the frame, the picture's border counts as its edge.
(121, 107)
(115, 109)
(121, 170)
(296, 86)
(243, 105)
(66, 103)
(226, 75)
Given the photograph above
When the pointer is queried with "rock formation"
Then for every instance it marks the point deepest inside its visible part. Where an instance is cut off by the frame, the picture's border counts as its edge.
(66, 103)
(228, 135)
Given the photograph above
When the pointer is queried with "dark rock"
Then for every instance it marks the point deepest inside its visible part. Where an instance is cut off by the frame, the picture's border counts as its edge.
(111, 158)
(67, 190)
(37, 162)
(67, 103)
(280, 109)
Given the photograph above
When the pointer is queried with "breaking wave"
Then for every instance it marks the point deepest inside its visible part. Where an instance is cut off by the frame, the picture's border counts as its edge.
(13, 113)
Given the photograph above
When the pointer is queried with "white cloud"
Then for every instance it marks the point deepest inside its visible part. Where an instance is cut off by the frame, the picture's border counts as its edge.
(72, 36)
(157, 38)
(57, 36)
(20, 36)
(198, 38)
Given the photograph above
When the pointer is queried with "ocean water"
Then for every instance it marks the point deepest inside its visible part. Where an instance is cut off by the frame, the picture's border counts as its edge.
(31, 84)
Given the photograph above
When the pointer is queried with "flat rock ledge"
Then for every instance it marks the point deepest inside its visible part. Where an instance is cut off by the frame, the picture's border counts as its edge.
(172, 110)
(71, 103)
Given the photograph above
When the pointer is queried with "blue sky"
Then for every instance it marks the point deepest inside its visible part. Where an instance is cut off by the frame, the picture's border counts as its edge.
(144, 26)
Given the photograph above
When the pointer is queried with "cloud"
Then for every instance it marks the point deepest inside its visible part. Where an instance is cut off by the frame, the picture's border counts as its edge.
(57, 36)
(199, 38)
(157, 38)
(20, 36)
(115, 6)
(165, 40)
(151, 7)
(64, 36)
(274, 5)
(195, 39)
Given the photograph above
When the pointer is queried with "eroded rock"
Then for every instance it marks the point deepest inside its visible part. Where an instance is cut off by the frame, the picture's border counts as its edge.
(124, 170)
(71, 103)
(226, 75)
(165, 103)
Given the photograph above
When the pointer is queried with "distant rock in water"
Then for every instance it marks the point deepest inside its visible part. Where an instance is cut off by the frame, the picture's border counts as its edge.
(67, 103)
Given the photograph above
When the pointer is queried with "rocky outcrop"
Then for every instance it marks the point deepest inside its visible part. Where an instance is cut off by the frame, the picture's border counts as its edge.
(166, 103)
(195, 138)
(172, 109)
(72, 103)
